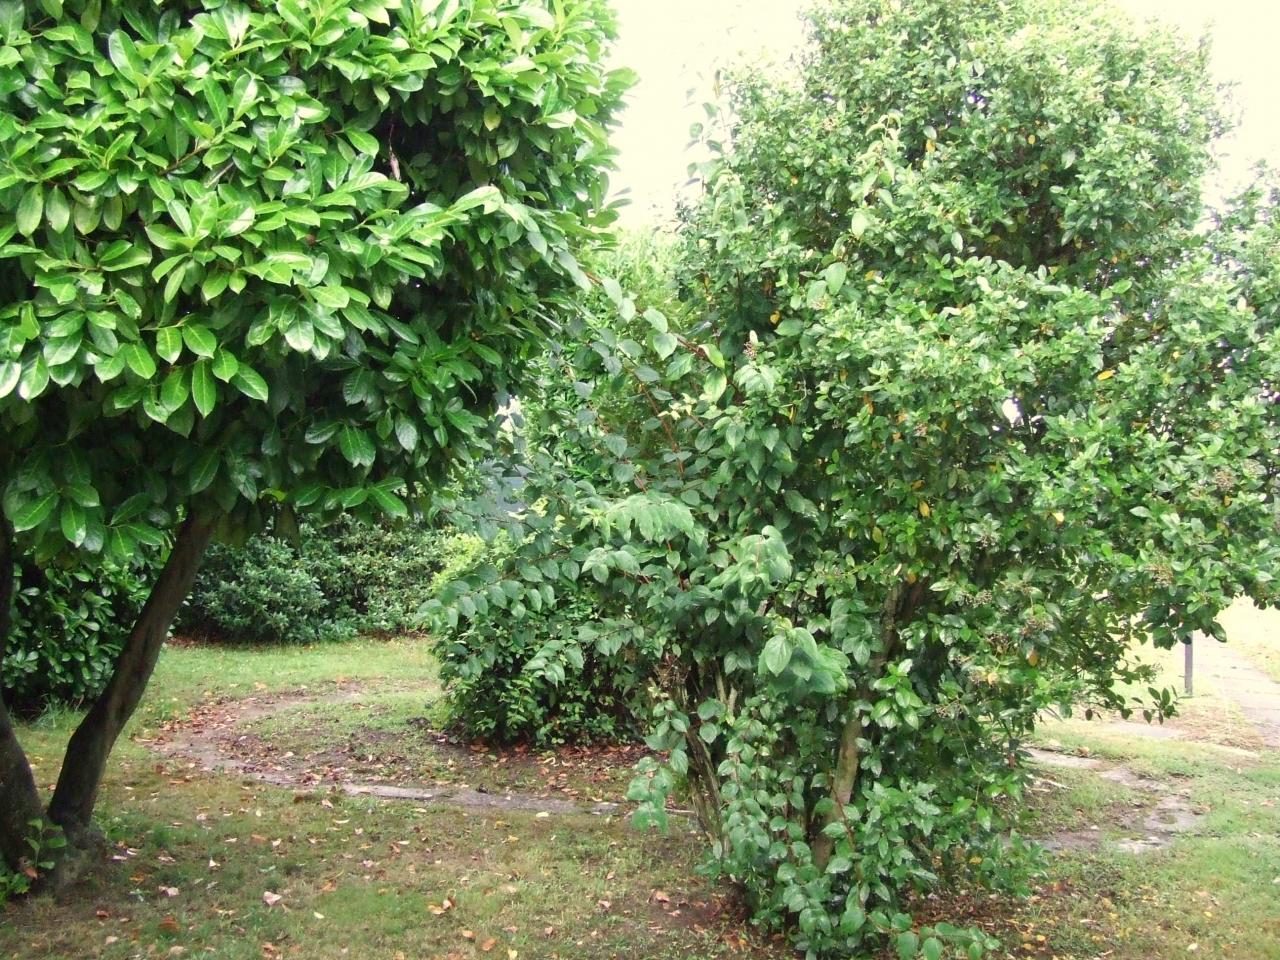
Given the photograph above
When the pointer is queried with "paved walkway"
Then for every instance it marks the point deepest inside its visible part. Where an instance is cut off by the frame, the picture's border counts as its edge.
(1234, 677)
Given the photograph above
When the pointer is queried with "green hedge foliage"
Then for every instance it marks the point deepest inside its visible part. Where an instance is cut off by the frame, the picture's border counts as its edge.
(524, 680)
(68, 626)
(335, 582)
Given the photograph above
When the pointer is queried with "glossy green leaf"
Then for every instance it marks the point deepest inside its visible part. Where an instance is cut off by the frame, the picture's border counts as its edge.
(356, 446)
(33, 512)
(139, 360)
(30, 209)
(199, 340)
(204, 388)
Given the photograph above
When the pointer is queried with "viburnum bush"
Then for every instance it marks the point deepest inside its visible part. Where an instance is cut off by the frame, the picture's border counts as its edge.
(954, 407)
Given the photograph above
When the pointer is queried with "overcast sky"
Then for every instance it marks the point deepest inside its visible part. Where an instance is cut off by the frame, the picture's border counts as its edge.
(676, 45)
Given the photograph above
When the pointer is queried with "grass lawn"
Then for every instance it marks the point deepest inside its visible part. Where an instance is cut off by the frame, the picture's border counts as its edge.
(202, 856)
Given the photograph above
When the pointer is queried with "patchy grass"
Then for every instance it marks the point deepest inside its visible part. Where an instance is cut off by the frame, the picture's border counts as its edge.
(187, 674)
(1208, 717)
(1075, 800)
(203, 858)
(198, 853)
(394, 737)
(1214, 892)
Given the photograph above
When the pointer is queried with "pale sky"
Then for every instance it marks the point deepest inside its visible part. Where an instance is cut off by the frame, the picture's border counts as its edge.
(676, 46)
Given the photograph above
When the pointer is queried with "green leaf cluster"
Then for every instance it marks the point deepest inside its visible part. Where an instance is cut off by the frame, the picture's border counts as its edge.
(279, 255)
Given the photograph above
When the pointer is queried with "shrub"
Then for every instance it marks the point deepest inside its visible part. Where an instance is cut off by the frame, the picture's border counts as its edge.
(262, 592)
(341, 579)
(960, 404)
(523, 679)
(520, 676)
(270, 257)
(378, 576)
(69, 625)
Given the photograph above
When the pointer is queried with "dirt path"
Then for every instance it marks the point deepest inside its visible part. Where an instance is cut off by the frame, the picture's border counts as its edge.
(215, 737)
(210, 735)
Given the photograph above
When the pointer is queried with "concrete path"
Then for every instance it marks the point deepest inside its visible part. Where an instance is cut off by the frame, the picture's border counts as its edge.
(1233, 677)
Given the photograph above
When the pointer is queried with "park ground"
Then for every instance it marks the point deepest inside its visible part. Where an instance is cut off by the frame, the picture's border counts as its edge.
(302, 803)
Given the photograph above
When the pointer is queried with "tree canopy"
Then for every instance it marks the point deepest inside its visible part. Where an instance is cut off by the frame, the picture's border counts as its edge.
(268, 257)
(277, 254)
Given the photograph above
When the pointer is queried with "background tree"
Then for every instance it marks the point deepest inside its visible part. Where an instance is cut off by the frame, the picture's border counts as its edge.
(955, 409)
(261, 258)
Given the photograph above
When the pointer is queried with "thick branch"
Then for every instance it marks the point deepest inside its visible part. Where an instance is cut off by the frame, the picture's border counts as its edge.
(842, 783)
(86, 756)
(7, 581)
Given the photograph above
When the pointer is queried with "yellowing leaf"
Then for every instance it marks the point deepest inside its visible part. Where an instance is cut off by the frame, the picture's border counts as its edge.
(925, 509)
(1106, 374)
(1059, 516)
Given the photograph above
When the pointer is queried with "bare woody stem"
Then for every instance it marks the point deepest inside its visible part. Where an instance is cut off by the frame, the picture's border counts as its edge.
(901, 602)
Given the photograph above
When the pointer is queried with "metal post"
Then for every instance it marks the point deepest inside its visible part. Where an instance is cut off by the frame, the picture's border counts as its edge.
(1187, 668)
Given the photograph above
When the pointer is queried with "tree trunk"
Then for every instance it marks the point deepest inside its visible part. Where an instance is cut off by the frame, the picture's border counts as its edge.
(86, 756)
(7, 581)
(842, 784)
(898, 607)
(19, 800)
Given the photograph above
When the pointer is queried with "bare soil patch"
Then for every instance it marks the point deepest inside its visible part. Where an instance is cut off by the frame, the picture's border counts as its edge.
(416, 763)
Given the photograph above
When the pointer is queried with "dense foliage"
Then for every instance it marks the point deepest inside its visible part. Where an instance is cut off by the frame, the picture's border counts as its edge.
(68, 627)
(526, 676)
(289, 253)
(260, 259)
(956, 408)
(263, 592)
(530, 679)
(338, 580)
